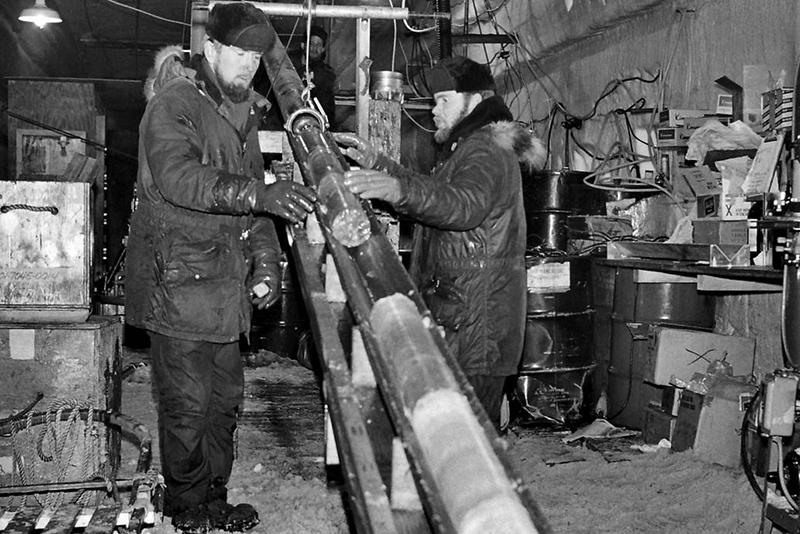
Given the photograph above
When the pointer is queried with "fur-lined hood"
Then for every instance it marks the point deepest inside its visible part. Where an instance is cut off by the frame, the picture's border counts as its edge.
(506, 133)
(512, 136)
(168, 65)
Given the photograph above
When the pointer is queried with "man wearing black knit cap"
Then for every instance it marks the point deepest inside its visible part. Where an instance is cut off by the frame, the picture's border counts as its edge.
(468, 255)
(202, 252)
(320, 74)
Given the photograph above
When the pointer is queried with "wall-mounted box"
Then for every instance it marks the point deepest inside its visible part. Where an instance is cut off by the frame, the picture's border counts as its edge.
(45, 267)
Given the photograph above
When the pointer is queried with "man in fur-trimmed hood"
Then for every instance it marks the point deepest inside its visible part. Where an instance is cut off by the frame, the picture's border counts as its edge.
(468, 257)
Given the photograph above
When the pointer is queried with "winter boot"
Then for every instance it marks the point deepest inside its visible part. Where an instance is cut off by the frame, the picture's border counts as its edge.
(194, 520)
(230, 518)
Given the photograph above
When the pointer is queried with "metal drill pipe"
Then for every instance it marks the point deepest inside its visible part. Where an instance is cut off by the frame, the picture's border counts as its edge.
(476, 499)
(51, 487)
(315, 152)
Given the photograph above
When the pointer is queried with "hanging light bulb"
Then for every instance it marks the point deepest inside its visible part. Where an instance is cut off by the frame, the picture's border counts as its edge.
(40, 14)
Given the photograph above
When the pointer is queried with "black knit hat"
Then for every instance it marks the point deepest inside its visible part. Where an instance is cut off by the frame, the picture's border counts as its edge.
(241, 25)
(319, 31)
(460, 74)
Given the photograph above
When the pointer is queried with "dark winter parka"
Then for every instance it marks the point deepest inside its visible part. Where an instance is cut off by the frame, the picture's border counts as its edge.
(193, 246)
(468, 258)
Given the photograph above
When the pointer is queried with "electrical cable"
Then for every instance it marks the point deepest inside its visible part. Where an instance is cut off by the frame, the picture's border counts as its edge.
(394, 36)
(417, 124)
(143, 12)
(651, 186)
(88, 142)
(749, 420)
(94, 34)
(781, 476)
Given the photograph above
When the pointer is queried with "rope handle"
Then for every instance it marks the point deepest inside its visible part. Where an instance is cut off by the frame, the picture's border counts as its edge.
(5, 208)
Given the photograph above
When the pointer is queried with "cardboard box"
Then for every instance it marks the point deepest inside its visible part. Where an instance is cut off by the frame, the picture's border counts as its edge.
(776, 109)
(710, 425)
(715, 231)
(697, 122)
(673, 136)
(704, 184)
(657, 425)
(45, 262)
(675, 117)
(684, 352)
(734, 207)
(671, 399)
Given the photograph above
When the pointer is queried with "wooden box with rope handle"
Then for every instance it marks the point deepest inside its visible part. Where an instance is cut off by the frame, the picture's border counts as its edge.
(60, 369)
(45, 260)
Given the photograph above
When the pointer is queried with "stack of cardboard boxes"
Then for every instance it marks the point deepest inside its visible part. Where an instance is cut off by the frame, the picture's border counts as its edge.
(705, 382)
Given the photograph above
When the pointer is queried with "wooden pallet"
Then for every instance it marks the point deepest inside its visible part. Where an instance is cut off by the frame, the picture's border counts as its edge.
(63, 520)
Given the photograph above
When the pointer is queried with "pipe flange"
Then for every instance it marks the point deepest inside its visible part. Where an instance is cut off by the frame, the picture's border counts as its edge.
(290, 122)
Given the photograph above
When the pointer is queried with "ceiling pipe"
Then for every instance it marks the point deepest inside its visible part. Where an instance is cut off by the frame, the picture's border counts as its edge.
(346, 12)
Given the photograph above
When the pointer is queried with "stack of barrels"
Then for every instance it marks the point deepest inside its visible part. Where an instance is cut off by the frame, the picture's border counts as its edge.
(640, 303)
(558, 355)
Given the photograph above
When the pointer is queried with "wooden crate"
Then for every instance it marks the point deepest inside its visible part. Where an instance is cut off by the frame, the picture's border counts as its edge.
(70, 364)
(45, 273)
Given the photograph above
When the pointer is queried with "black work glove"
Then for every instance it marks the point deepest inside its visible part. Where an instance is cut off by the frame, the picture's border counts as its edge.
(289, 200)
(373, 184)
(357, 148)
(265, 293)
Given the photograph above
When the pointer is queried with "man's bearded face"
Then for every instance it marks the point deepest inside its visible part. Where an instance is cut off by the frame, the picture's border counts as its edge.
(235, 69)
(450, 109)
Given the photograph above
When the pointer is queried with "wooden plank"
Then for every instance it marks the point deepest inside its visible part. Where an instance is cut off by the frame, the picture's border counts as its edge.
(641, 276)
(104, 519)
(23, 521)
(62, 520)
(370, 503)
(706, 282)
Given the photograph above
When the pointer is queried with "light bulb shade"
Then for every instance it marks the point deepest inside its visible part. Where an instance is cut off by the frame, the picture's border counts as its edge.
(40, 14)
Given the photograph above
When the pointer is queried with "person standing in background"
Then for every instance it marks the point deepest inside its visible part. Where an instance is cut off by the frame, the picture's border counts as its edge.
(321, 75)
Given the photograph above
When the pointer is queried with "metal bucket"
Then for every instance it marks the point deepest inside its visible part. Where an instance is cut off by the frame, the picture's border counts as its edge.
(386, 85)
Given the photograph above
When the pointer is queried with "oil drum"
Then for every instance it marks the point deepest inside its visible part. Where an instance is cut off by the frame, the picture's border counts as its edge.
(637, 307)
(558, 351)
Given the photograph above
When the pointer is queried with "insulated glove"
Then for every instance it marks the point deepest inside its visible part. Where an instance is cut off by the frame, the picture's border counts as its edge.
(373, 184)
(358, 149)
(289, 200)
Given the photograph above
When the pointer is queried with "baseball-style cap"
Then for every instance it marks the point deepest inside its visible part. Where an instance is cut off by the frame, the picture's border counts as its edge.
(460, 74)
(242, 25)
